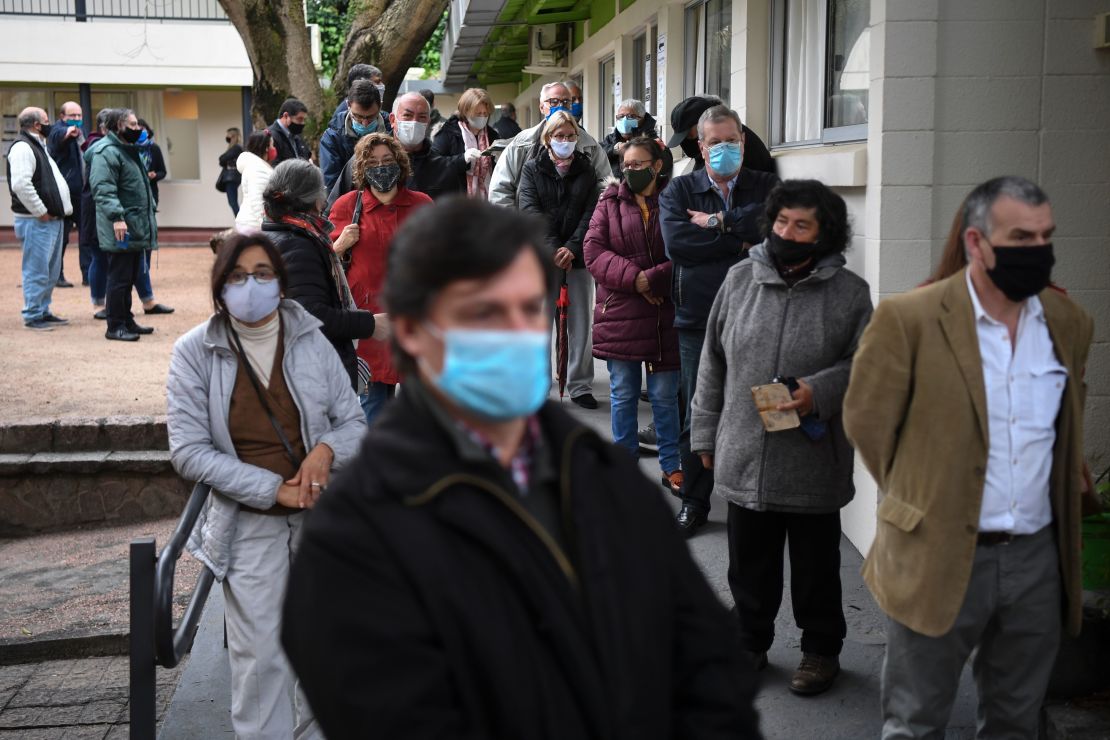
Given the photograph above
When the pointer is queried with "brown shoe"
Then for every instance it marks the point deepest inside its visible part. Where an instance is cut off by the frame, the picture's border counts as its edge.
(815, 674)
(673, 481)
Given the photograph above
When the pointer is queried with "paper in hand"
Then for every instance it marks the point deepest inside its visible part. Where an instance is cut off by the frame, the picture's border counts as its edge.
(767, 399)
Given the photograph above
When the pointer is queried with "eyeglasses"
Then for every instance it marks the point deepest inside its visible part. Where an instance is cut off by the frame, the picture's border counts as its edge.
(633, 116)
(382, 163)
(564, 137)
(557, 101)
(638, 164)
(361, 119)
(262, 276)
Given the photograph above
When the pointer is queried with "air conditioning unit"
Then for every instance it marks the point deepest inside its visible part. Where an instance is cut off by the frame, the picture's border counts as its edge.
(549, 48)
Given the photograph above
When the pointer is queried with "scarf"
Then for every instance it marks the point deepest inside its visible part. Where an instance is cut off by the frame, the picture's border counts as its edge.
(477, 180)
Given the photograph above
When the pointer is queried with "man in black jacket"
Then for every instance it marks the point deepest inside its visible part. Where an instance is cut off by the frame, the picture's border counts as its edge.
(710, 218)
(286, 132)
(506, 126)
(64, 145)
(461, 578)
(684, 121)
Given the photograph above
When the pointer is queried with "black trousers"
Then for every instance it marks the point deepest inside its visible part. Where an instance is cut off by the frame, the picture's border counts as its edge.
(756, 541)
(698, 483)
(123, 270)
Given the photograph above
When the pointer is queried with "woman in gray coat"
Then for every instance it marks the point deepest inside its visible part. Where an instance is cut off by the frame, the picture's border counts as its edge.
(794, 312)
(261, 409)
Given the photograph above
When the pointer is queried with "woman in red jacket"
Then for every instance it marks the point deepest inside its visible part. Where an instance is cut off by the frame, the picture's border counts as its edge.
(634, 315)
(365, 221)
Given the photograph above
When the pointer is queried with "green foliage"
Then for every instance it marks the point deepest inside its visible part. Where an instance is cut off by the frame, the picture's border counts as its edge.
(334, 19)
(429, 55)
(1102, 488)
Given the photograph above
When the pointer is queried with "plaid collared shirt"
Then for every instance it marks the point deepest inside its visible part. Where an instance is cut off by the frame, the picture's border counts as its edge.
(520, 467)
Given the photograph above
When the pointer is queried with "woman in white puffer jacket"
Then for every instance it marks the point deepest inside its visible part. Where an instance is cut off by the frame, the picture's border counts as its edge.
(254, 165)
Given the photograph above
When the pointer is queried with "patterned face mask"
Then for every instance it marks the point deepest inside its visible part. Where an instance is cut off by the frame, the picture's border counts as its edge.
(383, 178)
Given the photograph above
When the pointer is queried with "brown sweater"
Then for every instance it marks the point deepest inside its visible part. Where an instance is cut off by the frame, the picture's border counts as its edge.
(253, 435)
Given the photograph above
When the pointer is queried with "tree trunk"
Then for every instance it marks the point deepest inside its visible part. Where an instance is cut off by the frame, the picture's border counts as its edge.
(277, 43)
(388, 35)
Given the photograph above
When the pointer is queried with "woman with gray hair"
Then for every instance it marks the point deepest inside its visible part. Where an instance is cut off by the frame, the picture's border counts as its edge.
(632, 121)
(293, 201)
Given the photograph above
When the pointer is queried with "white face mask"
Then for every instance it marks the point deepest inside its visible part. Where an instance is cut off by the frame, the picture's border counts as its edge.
(410, 133)
(478, 122)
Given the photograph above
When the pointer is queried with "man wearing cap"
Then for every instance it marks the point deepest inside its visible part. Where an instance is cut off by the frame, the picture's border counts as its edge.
(709, 218)
(684, 121)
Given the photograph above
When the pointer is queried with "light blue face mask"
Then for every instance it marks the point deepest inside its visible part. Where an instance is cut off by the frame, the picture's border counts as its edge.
(627, 125)
(496, 375)
(725, 158)
(362, 130)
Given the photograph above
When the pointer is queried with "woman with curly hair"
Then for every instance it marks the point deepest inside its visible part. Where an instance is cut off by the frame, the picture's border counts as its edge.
(373, 212)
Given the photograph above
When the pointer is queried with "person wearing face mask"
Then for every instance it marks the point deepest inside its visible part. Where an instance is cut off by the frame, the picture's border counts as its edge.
(966, 405)
(256, 167)
(633, 121)
(528, 144)
(287, 129)
(362, 239)
(67, 136)
(684, 121)
(359, 72)
(465, 569)
(560, 186)
(229, 174)
(337, 145)
(633, 328)
(710, 219)
(259, 408)
(575, 100)
(40, 200)
(793, 311)
(429, 172)
(463, 138)
(125, 221)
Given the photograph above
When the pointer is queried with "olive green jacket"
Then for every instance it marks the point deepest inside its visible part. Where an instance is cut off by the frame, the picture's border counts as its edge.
(121, 190)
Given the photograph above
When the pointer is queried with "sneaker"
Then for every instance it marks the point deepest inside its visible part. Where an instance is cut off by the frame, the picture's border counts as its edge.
(101, 315)
(38, 325)
(586, 401)
(815, 674)
(644, 397)
(649, 441)
(56, 320)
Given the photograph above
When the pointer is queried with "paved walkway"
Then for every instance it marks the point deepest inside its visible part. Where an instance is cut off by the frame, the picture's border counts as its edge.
(849, 711)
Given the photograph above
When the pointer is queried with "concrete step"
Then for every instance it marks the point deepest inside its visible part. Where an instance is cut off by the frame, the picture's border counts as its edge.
(84, 434)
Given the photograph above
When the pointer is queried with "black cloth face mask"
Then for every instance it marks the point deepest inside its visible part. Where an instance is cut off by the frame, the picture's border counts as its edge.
(789, 252)
(131, 135)
(295, 128)
(690, 148)
(1022, 272)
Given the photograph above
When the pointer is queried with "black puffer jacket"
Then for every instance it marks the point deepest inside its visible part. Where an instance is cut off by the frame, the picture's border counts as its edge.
(567, 202)
(646, 128)
(449, 143)
(312, 285)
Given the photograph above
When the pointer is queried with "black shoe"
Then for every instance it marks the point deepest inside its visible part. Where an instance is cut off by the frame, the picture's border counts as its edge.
(157, 308)
(38, 325)
(815, 674)
(759, 659)
(644, 397)
(136, 329)
(586, 401)
(648, 439)
(121, 335)
(63, 283)
(55, 320)
(102, 314)
(690, 520)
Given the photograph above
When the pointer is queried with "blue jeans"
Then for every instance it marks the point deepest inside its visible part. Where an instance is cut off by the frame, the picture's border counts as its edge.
(42, 263)
(697, 485)
(373, 401)
(624, 398)
(142, 282)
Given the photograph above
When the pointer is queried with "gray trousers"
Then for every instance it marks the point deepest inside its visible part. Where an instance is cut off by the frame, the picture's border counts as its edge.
(1011, 619)
(264, 702)
(580, 319)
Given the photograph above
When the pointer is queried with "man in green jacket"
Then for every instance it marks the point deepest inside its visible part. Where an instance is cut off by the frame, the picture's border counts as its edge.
(125, 224)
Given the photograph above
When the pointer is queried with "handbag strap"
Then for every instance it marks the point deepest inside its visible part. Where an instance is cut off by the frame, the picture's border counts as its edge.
(289, 451)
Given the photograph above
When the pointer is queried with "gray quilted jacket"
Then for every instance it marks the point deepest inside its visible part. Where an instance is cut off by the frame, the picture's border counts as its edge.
(198, 396)
(759, 328)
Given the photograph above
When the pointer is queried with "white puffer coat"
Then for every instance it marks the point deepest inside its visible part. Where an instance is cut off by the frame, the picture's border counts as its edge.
(256, 176)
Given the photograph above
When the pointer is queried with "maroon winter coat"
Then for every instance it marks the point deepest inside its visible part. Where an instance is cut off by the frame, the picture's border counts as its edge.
(617, 248)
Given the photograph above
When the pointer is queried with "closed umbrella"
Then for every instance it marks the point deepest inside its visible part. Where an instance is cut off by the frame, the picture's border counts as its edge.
(561, 339)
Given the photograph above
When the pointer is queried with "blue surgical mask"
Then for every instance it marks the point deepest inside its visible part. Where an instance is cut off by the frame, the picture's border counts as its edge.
(252, 301)
(496, 375)
(361, 129)
(563, 149)
(555, 110)
(725, 158)
(627, 125)
(76, 123)
(144, 137)
(576, 110)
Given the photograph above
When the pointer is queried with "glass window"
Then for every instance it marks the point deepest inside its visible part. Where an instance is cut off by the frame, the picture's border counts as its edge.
(708, 51)
(693, 74)
(608, 84)
(12, 102)
(821, 71)
(180, 138)
(637, 91)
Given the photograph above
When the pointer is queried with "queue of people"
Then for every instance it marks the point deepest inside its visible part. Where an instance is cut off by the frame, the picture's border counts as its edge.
(471, 535)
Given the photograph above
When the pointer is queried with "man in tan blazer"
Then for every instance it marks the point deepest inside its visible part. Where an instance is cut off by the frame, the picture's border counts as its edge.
(966, 405)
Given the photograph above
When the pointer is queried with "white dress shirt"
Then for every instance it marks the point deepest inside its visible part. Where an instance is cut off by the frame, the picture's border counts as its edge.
(23, 164)
(1024, 383)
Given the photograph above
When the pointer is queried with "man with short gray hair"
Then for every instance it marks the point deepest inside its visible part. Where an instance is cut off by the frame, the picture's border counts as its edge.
(40, 203)
(966, 405)
(710, 218)
(526, 145)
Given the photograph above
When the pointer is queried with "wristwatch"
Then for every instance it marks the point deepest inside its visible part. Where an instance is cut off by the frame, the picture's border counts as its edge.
(713, 222)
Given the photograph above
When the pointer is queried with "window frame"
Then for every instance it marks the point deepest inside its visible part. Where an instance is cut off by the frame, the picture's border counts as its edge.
(696, 52)
(829, 134)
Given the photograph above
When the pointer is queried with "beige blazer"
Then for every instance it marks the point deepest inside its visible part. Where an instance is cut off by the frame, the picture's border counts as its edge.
(916, 412)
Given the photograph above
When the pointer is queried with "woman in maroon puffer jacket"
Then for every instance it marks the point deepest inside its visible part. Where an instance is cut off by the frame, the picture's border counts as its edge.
(634, 315)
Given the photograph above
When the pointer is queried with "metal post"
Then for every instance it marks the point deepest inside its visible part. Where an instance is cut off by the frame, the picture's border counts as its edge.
(248, 121)
(142, 689)
(84, 97)
(80, 11)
